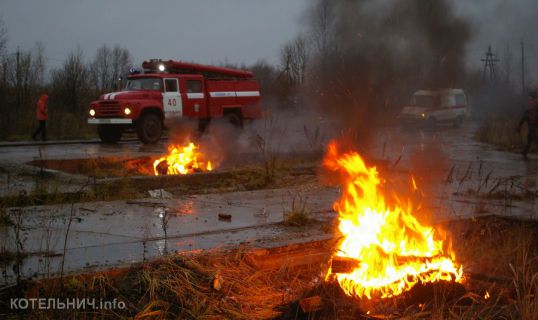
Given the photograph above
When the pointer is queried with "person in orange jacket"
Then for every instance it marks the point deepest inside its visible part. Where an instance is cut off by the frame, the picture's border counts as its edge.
(42, 116)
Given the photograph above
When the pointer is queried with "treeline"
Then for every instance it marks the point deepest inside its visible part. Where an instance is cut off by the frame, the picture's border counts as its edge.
(76, 82)
(356, 61)
(70, 86)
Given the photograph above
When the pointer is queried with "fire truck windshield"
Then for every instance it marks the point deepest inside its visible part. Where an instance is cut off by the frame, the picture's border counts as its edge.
(144, 84)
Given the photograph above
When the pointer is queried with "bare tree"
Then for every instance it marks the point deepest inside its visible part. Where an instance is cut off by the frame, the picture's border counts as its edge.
(322, 28)
(265, 74)
(3, 37)
(38, 65)
(100, 67)
(20, 77)
(108, 65)
(4, 121)
(294, 56)
(70, 82)
(121, 62)
(26, 69)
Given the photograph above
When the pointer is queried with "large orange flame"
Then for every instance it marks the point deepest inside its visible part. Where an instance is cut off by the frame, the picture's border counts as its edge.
(181, 160)
(393, 250)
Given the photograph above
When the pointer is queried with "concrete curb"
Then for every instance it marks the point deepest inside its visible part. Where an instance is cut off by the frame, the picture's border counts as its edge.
(4, 144)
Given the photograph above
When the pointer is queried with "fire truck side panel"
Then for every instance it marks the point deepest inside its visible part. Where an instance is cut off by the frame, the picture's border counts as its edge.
(221, 95)
(248, 96)
(194, 96)
(171, 90)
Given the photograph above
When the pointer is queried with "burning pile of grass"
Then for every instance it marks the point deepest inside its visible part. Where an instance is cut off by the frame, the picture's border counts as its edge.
(182, 160)
(391, 250)
(501, 282)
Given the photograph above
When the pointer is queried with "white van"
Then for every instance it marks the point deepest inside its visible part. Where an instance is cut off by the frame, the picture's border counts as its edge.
(430, 107)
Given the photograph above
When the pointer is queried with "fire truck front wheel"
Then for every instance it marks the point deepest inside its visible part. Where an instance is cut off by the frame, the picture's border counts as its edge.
(149, 128)
(109, 133)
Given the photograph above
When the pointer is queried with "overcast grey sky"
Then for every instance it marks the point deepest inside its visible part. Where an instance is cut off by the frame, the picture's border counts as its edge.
(500, 23)
(204, 31)
(214, 31)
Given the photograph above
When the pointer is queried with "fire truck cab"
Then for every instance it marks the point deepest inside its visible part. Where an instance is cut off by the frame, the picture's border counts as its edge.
(167, 92)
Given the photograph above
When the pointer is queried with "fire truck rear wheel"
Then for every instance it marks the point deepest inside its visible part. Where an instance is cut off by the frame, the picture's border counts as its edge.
(234, 119)
(149, 128)
(109, 134)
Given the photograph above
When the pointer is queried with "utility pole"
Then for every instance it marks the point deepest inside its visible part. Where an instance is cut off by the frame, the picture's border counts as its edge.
(489, 66)
(18, 79)
(522, 66)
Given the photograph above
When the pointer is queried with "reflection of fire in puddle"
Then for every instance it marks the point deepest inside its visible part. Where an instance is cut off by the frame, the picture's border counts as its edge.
(182, 209)
(182, 160)
(186, 208)
(384, 250)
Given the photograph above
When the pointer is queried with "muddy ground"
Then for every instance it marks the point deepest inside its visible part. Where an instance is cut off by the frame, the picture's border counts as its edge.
(247, 283)
(86, 209)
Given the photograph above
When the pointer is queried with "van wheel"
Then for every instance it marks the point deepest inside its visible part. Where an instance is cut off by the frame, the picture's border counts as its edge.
(109, 134)
(458, 122)
(431, 122)
(149, 128)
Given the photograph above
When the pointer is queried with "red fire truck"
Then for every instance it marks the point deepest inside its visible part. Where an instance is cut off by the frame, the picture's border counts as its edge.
(165, 92)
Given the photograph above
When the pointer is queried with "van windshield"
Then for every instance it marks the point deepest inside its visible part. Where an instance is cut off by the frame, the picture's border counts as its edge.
(144, 84)
(424, 101)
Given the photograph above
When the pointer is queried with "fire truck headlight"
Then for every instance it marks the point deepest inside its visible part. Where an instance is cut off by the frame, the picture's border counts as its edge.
(161, 67)
(92, 112)
(127, 111)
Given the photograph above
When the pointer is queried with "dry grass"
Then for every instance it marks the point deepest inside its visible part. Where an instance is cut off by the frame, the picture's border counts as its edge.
(501, 133)
(297, 215)
(244, 292)
(500, 254)
(214, 285)
(505, 250)
(525, 278)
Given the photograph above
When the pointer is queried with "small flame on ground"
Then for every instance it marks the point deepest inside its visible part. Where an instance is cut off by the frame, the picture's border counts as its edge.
(487, 296)
(393, 250)
(181, 160)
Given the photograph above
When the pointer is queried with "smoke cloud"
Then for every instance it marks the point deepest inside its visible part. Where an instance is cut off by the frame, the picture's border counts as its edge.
(370, 56)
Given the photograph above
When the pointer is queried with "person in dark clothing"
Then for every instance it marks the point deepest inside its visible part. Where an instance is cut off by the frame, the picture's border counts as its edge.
(531, 118)
(42, 116)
